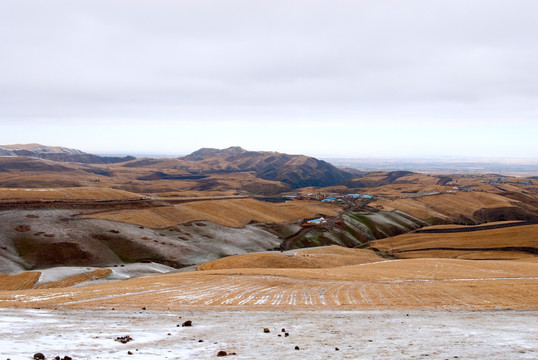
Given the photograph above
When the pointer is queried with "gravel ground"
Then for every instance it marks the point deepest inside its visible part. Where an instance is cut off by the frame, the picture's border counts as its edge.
(324, 335)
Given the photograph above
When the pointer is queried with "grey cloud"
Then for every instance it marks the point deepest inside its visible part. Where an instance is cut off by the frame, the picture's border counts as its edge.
(190, 58)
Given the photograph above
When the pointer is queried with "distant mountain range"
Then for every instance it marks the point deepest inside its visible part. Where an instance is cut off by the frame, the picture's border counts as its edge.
(292, 171)
(58, 153)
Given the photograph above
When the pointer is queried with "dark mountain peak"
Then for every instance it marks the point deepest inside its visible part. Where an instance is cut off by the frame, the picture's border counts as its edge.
(293, 170)
(203, 153)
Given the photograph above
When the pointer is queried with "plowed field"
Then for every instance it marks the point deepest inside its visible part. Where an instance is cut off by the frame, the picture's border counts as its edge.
(418, 283)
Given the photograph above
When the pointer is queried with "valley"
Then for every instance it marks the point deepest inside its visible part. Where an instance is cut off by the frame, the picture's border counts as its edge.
(236, 230)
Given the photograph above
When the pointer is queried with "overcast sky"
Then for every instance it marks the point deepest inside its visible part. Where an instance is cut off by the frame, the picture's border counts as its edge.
(323, 78)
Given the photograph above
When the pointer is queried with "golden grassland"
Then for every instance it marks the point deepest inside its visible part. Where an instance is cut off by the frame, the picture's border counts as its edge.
(232, 213)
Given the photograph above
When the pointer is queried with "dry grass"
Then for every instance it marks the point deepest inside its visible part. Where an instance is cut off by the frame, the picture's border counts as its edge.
(231, 212)
(326, 257)
(75, 193)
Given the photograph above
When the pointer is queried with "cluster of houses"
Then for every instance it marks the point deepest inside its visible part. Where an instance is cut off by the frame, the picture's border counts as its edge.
(495, 181)
(331, 198)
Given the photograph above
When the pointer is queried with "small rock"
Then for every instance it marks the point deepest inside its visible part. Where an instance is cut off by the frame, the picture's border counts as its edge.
(200, 340)
(57, 358)
(279, 335)
(283, 330)
(129, 353)
(286, 334)
(297, 348)
(266, 330)
(222, 353)
(144, 308)
(39, 356)
(336, 349)
(187, 323)
(124, 339)
(67, 358)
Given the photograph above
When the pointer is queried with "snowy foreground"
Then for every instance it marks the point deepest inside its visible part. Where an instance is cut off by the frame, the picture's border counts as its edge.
(91, 334)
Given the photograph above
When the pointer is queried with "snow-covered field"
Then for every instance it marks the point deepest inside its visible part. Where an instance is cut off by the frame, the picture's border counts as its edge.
(379, 334)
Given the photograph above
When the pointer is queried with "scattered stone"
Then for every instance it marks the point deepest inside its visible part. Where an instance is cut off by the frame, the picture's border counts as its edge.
(23, 228)
(39, 356)
(222, 353)
(283, 330)
(129, 353)
(67, 358)
(57, 358)
(297, 348)
(187, 323)
(279, 335)
(336, 349)
(144, 308)
(114, 231)
(266, 330)
(200, 340)
(286, 334)
(124, 339)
